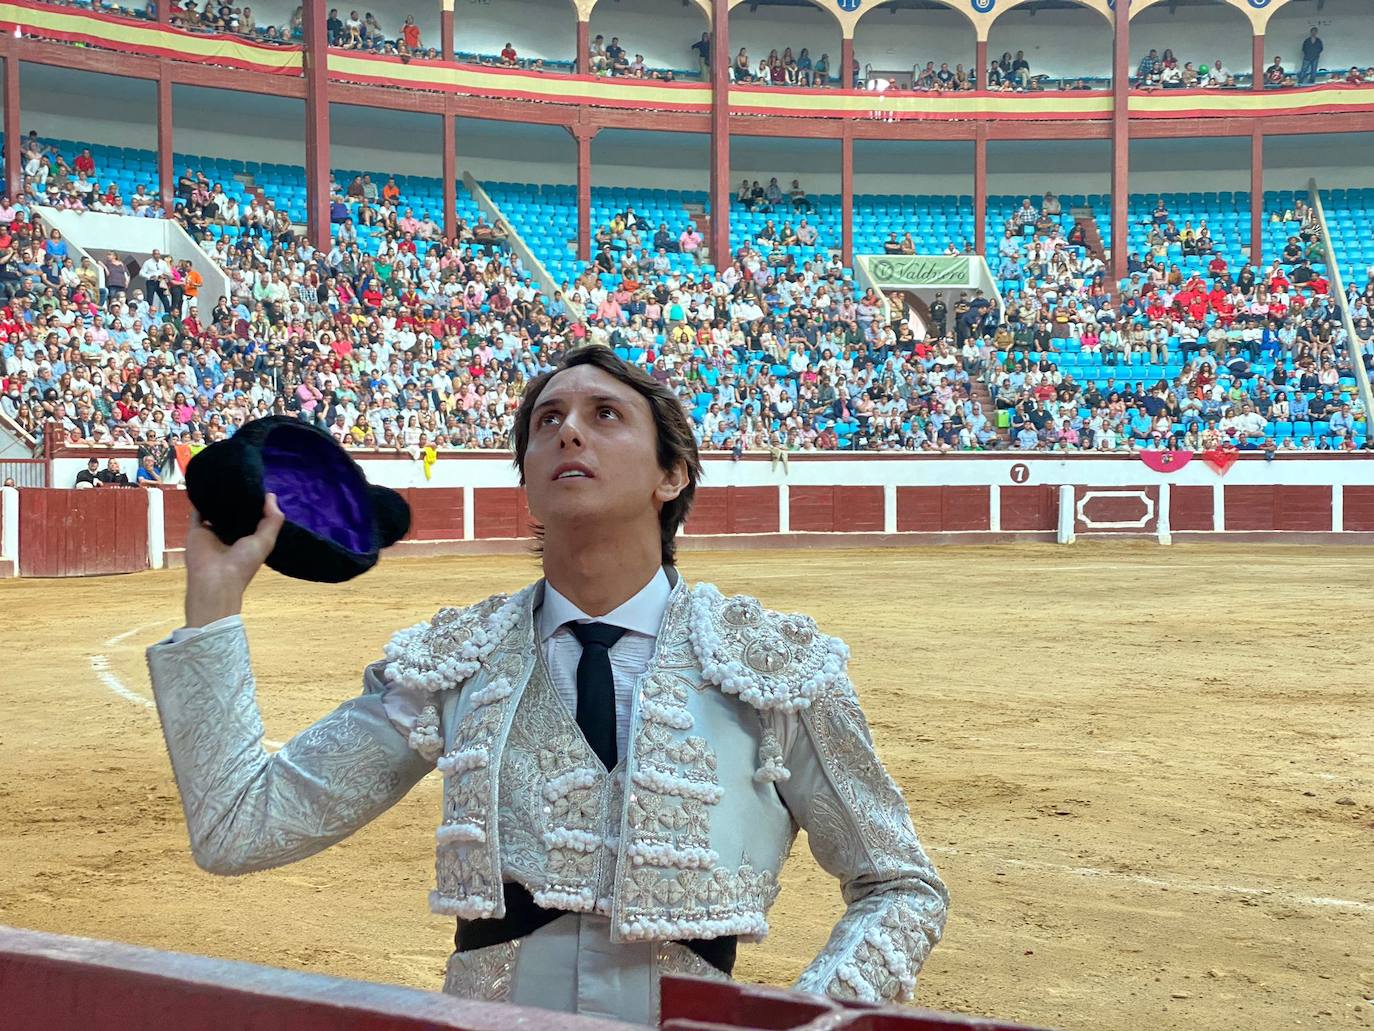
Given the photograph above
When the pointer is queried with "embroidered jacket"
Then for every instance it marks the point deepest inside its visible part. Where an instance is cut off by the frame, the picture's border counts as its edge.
(744, 728)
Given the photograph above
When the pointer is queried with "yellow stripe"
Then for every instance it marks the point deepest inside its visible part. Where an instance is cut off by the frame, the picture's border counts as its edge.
(830, 102)
(1245, 102)
(479, 80)
(148, 36)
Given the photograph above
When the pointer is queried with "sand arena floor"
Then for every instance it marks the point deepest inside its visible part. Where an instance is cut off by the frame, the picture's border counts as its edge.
(1146, 774)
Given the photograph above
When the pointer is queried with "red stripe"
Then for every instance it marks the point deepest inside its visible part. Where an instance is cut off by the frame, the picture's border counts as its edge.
(697, 107)
(570, 77)
(114, 46)
(1269, 112)
(146, 25)
(881, 114)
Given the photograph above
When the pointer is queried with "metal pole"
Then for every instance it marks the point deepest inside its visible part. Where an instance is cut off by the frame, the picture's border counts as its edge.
(1338, 290)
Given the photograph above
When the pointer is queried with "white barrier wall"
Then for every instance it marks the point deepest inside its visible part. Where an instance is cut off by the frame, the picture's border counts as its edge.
(494, 469)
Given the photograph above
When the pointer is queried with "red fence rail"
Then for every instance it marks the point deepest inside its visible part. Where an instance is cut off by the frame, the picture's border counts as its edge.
(74, 984)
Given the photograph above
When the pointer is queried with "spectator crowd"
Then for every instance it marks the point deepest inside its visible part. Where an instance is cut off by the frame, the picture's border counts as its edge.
(415, 342)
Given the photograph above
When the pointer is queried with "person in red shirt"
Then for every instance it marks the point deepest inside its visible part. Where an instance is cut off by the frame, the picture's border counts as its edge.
(85, 163)
(1217, 266)
(1318, 284)
(1226, 311)
(508, 55)
(410, 33)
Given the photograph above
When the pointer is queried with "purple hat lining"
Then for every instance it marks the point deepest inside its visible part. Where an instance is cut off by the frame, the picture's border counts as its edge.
(317, 487)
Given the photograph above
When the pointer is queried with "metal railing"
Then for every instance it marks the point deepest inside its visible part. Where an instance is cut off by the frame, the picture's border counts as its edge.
(1352, 342)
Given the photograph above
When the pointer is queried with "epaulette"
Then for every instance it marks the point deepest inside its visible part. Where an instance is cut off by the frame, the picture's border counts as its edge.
(771, 660)
(441, 653)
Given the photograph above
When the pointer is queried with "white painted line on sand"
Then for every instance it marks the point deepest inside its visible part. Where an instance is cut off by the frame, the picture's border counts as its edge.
(1314, 901)
(120, 638)
(100, 665)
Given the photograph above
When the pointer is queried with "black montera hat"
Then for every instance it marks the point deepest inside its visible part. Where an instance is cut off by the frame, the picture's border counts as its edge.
(336, 522)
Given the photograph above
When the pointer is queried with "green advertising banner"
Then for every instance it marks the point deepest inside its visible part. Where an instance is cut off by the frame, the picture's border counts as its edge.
(909, 270)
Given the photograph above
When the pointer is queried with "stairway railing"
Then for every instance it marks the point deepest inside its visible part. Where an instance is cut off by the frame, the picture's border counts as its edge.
(1338, 292)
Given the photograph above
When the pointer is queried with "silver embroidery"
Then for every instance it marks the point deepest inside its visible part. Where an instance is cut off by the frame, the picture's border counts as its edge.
(674, 958)
(860, 830)
(486, 975)
(248, 810)
(771, 660)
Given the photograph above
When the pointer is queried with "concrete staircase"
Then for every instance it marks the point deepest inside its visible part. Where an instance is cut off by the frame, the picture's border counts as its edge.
(1092, 233)
(979, 391)
(698, 214)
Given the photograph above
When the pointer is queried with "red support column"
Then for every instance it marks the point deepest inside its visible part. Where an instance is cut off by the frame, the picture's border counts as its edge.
(1121, 137)
(166, 174)
(847, 197)
(584, 134)
(14, 173)
(1257, 63)
(1256, 193)
(720, 133)
(316, 58)
(446, 30)
(980, 188)
(584, 48)
(164, 12)
(847, 63)
(450, 166)
(980, 64)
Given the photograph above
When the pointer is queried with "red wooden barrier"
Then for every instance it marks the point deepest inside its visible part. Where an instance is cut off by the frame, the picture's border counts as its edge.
(176, 518)
(942, 509)
(74, 984)
(1128, 510)
(697, 1005)
(1359, 508)
(830, 509)
(82, 532)
(1190, 508)
(1030, 508)
(719, 510)
(500, 512)
(436, 513)
(1275, 507)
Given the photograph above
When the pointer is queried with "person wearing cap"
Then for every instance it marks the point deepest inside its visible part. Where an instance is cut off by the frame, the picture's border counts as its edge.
(90, 476)
(626, 756)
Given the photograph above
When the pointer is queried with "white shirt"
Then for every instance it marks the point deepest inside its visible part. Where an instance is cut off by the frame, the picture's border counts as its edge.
(641, 616)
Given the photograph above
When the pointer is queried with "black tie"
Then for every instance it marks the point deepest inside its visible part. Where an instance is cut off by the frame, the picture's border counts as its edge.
(596, 688)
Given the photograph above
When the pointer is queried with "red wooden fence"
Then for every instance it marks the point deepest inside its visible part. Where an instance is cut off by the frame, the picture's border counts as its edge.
(82, 532)
(74, 984)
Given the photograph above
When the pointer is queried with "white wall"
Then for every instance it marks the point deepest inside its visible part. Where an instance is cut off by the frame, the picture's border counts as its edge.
(1346, 28)
(494, 469)
(1197, 34)
(545, 29)
(890, 39)
(1058, 43)
(778, 28)
(391, 15)
(662, 32)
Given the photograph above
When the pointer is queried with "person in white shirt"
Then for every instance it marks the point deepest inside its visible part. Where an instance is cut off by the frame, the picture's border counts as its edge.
(156, 273)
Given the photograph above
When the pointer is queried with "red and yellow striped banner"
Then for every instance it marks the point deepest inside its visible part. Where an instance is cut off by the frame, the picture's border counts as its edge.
(145, 38)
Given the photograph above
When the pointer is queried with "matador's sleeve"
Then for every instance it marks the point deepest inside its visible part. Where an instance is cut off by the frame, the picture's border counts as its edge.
(246, 808)
(860, 831)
